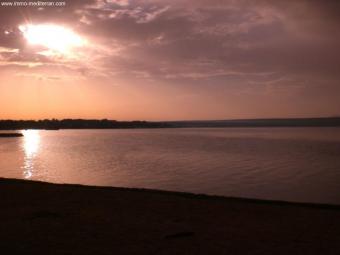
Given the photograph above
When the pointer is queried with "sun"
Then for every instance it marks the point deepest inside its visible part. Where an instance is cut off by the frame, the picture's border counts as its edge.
(55, 38)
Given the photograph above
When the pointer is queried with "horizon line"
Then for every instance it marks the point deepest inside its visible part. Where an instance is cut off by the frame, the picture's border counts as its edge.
(180, 120)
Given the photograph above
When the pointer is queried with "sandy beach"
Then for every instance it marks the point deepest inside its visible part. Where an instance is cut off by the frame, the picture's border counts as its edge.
(42, 218)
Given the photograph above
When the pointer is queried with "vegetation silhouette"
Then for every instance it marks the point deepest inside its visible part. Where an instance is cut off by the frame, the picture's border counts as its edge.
(55, 124)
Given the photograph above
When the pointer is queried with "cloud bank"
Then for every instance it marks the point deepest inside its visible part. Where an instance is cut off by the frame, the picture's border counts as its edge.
(240, 47)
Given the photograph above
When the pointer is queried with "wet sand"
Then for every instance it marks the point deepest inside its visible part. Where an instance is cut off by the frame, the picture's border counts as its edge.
(42, 218)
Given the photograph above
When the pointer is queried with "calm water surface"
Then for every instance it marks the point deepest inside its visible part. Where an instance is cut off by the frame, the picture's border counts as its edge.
(295, 164)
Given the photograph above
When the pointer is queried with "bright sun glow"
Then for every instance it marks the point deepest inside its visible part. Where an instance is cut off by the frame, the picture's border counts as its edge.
(55, 38)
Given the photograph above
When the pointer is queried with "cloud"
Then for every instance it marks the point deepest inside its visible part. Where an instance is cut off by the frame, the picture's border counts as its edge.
(186, 40)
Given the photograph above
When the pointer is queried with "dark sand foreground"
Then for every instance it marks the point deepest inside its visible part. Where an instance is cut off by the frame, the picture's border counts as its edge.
(41, 218)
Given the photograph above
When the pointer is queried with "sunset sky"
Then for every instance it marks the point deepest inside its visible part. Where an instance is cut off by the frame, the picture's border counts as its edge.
(170, 59)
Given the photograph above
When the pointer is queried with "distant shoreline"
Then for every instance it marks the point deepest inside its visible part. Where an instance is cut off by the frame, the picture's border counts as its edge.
(113, 124)
(9, 135)
(102, 220)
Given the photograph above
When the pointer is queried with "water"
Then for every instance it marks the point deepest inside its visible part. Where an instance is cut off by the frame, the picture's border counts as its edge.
(293, 164)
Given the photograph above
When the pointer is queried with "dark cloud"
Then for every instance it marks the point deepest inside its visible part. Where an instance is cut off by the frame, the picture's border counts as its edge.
(195, 39)
(291, 38)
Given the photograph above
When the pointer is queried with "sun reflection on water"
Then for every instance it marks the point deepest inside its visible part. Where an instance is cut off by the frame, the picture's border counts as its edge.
(31, 147)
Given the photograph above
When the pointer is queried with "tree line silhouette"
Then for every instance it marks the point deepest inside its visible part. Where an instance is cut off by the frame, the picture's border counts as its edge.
(114, 124)
(77, 124)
